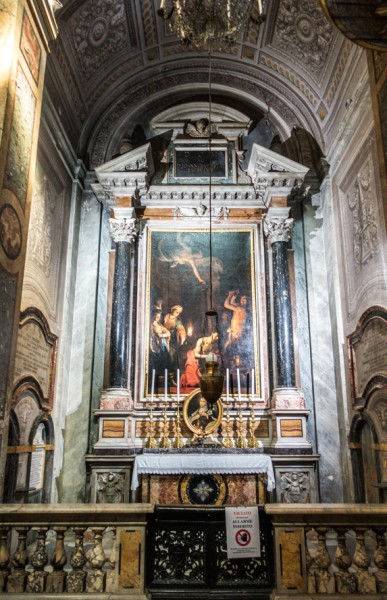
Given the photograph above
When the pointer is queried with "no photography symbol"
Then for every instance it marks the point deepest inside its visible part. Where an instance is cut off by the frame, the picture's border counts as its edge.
(243, 537)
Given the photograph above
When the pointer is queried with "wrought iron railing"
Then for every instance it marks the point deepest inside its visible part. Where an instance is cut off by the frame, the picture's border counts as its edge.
(187, 557)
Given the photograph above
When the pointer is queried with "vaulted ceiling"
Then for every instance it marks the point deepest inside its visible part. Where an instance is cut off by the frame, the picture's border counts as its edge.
(115, 66)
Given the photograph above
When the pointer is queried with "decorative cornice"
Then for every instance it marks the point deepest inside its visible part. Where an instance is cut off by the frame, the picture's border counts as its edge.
(123, 230)
(274, 175)
(278, 230)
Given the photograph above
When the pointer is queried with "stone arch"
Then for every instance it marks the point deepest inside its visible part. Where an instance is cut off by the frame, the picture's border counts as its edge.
(144, 99)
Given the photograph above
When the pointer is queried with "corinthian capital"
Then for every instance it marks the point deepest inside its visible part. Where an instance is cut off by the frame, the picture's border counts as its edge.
(123, 230)
(278, 230)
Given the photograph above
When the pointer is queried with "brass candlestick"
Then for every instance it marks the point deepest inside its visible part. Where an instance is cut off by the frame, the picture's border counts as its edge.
(228, 442)
(241, 442)
(178, 443)
(253, 443)
(151, 442)
(165, 443)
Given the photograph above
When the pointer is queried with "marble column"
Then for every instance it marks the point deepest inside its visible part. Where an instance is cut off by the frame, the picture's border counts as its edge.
(279, 232)
(25, 33)
(123, 232)
(288, 402)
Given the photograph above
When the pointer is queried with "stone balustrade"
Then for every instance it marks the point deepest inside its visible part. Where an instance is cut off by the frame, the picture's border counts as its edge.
(73, 549)
(333, 550)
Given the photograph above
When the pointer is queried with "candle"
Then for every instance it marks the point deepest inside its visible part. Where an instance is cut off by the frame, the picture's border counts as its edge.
(178, 385)
(252, 385)
(239, 384)
(165, 384)
(153, 384)
(227, 384)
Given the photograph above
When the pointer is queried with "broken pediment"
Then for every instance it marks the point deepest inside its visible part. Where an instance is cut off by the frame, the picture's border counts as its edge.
(273, 174)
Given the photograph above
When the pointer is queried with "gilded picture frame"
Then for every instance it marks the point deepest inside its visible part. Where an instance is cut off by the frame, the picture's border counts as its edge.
(200, 416)
(177, 295)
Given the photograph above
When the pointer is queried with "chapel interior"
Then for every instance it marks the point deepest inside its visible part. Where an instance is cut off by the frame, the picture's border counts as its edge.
(148, 182)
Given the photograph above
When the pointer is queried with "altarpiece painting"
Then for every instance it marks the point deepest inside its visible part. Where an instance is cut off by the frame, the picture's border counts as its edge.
(177, 297)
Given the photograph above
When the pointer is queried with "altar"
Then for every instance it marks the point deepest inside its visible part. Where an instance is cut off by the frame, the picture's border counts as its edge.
(203, 476)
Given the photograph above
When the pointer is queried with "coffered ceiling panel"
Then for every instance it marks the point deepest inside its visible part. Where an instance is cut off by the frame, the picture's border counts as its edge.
(116, 64)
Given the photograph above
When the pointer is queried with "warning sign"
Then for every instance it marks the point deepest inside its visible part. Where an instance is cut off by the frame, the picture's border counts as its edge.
(242, 528)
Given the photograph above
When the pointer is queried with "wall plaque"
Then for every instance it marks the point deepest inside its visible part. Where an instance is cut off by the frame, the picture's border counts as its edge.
(36, 353)
(368, 354)
(196, 163)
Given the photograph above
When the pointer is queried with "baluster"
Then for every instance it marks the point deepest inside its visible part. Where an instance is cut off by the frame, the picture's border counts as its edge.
(111, 579)
(17, 578)
(75, 580)
(310, 564)
(345, 581)
(380, 559)
(95, 580)
(366, 582)
(4, 557)
(325, 582)
(56, 579)
(37, 579)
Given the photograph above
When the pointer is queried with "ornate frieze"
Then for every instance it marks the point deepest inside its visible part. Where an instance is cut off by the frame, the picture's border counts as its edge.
(123, 230)
(166, 193)
(278, 230)
(361, 201)
(201, 211)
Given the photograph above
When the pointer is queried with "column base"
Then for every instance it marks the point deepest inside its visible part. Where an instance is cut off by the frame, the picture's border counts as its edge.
(290, 414)
(116, 399)
(285, 398)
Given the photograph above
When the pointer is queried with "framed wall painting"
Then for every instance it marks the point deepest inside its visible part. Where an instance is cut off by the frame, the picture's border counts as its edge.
(177, 297)
(201, 417)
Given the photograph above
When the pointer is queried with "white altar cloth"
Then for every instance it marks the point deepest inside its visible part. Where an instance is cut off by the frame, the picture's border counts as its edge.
(185, 463)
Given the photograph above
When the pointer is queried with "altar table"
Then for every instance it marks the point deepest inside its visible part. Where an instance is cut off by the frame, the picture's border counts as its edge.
(185, 463)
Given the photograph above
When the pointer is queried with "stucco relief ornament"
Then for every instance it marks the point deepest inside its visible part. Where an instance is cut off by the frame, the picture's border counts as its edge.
(303, 33)
(99, 29)
(198, 129)
(278, 230)
(201, 211)
(123, 230)
(295, 487)
(365, 228)
(381, 411)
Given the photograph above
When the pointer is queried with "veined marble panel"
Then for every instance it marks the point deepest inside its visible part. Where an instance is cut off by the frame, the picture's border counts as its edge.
(100, 347)
(82, 341)
(302, 327)
(323, 362)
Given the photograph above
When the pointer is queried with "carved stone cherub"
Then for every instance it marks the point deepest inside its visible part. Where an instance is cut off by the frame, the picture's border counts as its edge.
(198, 129)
